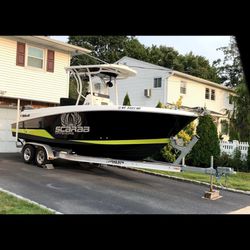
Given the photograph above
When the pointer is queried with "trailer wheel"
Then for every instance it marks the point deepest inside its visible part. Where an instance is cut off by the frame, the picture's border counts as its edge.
(41, 157)
(28, 153)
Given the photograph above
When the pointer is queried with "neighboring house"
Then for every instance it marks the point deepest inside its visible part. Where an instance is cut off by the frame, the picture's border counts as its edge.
(32, 69)
(154, 83)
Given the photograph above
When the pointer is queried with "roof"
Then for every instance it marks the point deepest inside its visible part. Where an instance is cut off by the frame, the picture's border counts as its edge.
(154, 66)
(178, 73)
(55, 44)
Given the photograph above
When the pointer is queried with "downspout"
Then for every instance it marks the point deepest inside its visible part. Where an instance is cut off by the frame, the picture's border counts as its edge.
(165, 86)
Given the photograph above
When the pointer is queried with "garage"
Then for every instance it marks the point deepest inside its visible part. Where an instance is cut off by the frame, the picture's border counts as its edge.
(7, 141)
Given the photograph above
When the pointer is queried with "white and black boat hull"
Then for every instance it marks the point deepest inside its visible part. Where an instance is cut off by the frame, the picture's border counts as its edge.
(121, 134)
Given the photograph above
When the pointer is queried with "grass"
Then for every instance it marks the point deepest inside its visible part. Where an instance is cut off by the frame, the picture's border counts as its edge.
(12, 205)
(239, 181)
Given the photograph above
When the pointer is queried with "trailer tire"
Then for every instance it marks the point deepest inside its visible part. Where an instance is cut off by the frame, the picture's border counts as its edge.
(28, 153)
(41, 157)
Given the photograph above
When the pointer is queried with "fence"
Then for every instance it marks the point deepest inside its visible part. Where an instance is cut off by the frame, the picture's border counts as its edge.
(230, 146)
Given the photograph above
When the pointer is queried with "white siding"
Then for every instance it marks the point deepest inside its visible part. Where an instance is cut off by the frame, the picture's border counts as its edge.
(195, 95)
(135, 85)
(32, 84)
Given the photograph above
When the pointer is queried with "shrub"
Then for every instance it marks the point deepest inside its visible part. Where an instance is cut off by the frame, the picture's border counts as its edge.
(168, 153)
(207, 145)
(126, 101)
(233, 161)
(159, 105)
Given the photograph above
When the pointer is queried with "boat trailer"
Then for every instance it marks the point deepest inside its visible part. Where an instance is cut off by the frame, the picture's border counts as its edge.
(43, 156)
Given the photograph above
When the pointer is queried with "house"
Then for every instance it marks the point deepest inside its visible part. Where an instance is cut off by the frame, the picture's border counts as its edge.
(32, 70)
(154, 83)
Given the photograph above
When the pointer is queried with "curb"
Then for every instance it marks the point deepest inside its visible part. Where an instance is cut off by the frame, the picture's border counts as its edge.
(191, 181)
(29, 201)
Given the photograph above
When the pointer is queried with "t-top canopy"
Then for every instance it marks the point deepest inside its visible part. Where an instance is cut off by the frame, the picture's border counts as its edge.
(110, 70)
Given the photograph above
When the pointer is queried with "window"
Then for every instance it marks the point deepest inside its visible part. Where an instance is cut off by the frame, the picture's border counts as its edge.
(213, 94)
(207, 93)
(157, 82)
(35, 57)
(183, 87)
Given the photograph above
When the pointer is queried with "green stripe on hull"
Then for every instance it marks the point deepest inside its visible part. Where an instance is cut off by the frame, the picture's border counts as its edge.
(43, 133)
(35, 132)
(126, 142)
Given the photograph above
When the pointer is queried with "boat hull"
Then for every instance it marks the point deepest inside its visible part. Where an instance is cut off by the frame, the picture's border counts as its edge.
(113, 134)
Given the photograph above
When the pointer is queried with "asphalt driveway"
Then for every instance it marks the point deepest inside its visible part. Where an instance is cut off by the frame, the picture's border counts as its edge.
(74, 189)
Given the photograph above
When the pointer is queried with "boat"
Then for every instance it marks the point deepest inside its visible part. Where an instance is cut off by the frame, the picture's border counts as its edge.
(95, 126)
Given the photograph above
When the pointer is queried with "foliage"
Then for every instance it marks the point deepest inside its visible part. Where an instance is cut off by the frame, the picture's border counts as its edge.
(198, 66)
(224, 127)
(106, 48)
(224, 160)
(236, 159)
(240, 119)
(184, 136)
(233, 161)
(230, 70)
(179, 102)
(208, 144)
(231, 73)
(160, 105)
(126, 101)
(73, 89)
(168, 153)
(112, 48)
(239, 181)
(248, 159)
(186, 133)
(190, 129)
(12, 205)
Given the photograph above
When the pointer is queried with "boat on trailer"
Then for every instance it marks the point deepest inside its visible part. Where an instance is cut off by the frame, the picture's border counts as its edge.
(97, 127)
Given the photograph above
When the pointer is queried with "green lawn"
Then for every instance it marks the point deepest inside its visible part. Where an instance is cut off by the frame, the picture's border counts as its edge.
(12, 205)
(239, 181)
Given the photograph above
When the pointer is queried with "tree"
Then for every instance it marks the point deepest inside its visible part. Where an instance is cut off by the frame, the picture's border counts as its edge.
(111, 48)
(133, 48)
(208, 144)
(126, 101)
(198, 66)
(230, 70)
(106, 48)
(231, 74)
(240, 120)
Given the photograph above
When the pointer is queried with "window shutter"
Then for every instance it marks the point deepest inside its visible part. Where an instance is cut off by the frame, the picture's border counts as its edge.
(20, 54)
(50, 60)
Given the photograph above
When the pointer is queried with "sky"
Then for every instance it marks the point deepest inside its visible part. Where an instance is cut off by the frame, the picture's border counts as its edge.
(200, 45)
